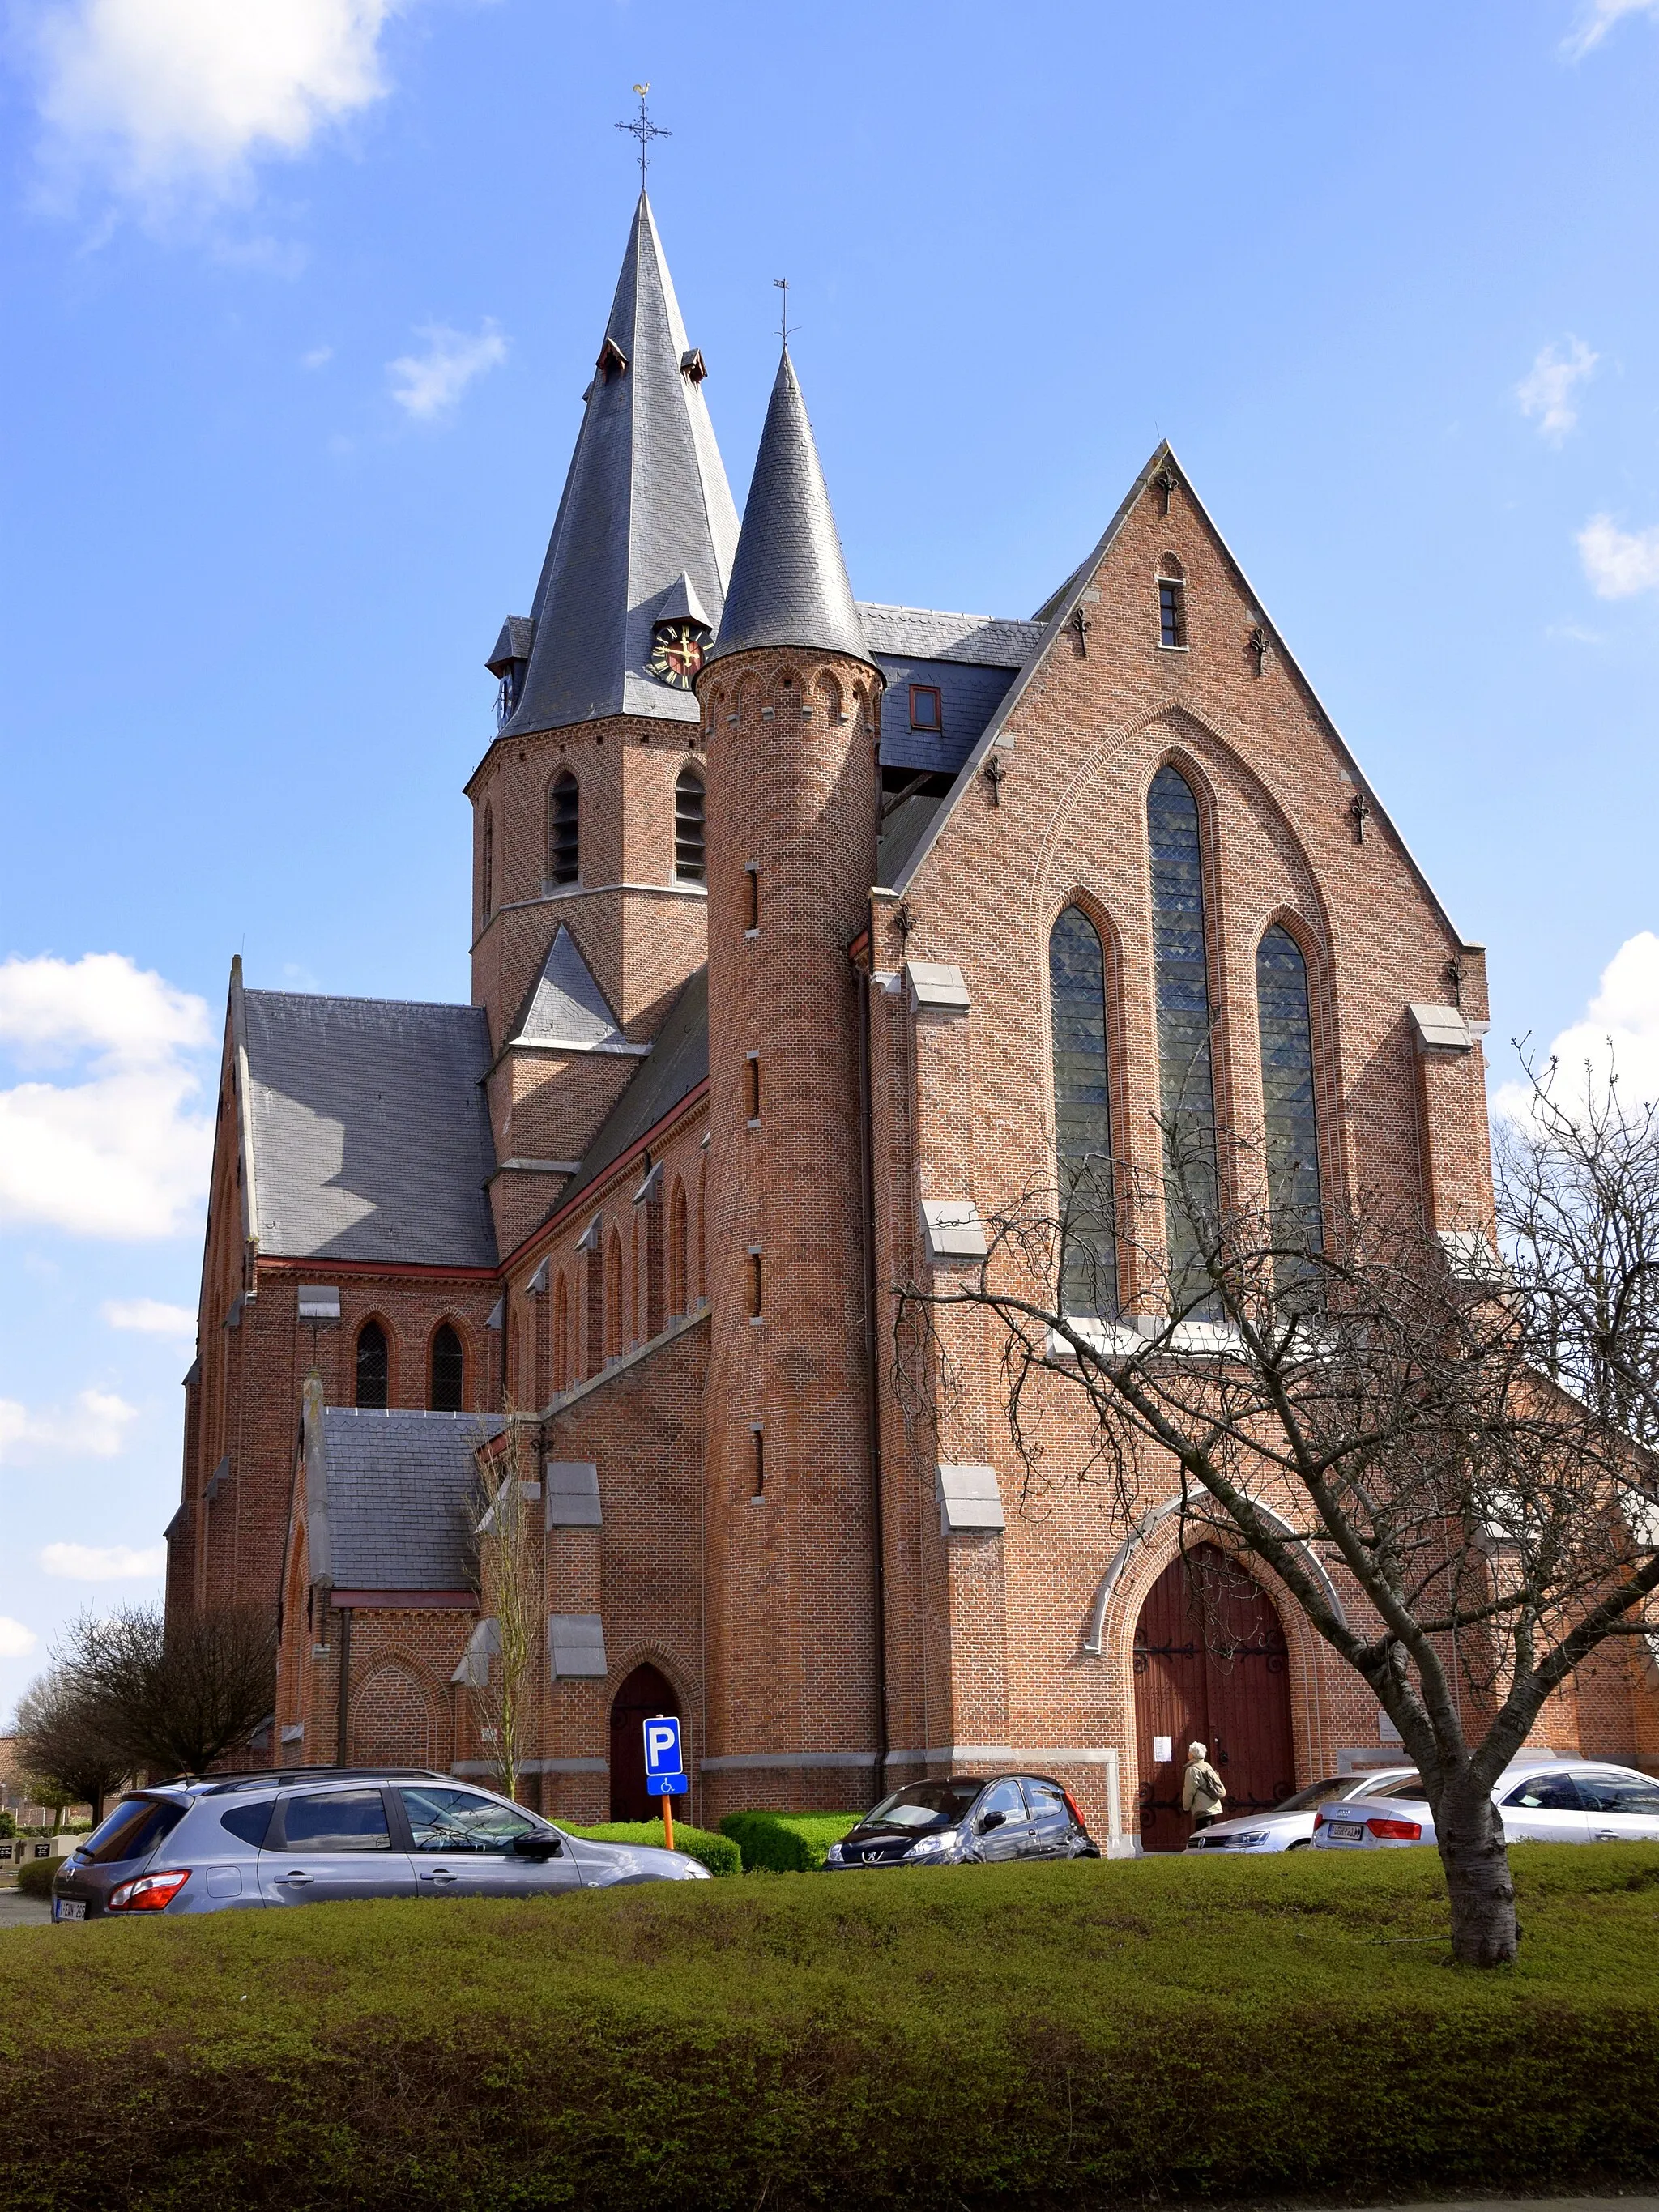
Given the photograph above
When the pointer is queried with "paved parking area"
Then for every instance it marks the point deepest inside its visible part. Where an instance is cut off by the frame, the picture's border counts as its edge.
(17, 1911)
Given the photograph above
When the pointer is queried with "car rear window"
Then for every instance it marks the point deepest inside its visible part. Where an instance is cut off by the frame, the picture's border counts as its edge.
(337, 1821)
(249, 1822)
(133, 1830)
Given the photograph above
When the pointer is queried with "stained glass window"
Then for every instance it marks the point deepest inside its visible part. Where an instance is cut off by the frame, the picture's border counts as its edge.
(449, 1370)
(373, 1375)
(1181, 979)
(1287, 1092)
(1083, 1117)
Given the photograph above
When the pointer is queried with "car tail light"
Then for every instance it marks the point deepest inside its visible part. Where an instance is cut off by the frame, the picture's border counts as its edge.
(1071, 1807)
(1319, 1819)
(148, 1892)
(1397, 1832)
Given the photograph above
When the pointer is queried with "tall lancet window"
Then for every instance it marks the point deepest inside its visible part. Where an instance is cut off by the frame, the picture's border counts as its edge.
(373, 1365)
(1288, 1097)
(1186, 1083)
(487, 872)
(1083, 1117)
(690, 827)
(564, 843)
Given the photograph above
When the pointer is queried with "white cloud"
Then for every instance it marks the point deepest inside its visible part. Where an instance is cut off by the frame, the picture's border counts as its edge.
(122, 1152)
(16, 1642)
(150, 1316)
(84, 1563)
(1620, 1026)
(1619, 562)
(166, 97)
(95, 1427)
(1597, 17)
(1547, 392)
(319, 357)
(428, 384)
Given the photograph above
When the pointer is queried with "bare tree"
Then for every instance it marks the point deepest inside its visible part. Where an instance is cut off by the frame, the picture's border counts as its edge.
(172, 1700)
(501, 1681)
(1358, 1402)
(66, 1755)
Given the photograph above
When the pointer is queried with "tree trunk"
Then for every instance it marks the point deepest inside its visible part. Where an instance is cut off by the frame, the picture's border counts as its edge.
(1470, 1833)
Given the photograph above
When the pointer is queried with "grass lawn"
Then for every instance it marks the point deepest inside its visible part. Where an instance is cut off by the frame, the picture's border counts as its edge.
(1041, 2035)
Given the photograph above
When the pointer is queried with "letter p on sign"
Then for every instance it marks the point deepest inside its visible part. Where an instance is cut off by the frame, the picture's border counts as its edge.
(662, 1748)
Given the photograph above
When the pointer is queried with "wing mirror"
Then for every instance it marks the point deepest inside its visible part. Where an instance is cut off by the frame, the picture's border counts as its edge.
(537, 1844)
(989, 1821)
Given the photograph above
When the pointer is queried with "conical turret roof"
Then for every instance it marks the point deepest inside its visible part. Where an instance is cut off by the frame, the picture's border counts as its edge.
(788, 583)
(646, 509)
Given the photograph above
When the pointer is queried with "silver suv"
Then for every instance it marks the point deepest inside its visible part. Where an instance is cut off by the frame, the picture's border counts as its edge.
(306, 1835)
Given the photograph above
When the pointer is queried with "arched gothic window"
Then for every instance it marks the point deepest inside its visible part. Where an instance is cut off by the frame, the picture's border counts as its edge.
(1288, 1097)
(449, 1370)
(702, 1233)
(1083, 1116)
(676, 1250)
(613, 1297)
(487, 889)
(373, 1365)
(690, 827)
(1186, 1080)
(563, 829)
(561, 1336)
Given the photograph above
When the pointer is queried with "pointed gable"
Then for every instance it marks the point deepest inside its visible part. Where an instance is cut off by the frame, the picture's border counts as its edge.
(646, 507)
(789, 580)
(564, 1010)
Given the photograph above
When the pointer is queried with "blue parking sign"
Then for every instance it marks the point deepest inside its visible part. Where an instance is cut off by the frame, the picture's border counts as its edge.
(664, 1761)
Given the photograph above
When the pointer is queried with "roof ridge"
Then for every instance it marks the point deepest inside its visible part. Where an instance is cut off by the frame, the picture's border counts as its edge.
(359, 998)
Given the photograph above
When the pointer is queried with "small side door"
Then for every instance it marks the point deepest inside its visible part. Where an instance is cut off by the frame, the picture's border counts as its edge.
(1050, 1835)
(1544, 1808)
(462, 1844)
(1619, 1807)
(327, 1844)
(1002, 1826)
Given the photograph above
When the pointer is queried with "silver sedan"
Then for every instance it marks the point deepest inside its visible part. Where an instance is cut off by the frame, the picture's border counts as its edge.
(1290, 1826)
(1543, 1798)
(317, 1835)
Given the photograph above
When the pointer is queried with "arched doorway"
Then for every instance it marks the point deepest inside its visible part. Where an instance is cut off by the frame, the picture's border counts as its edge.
(644, 1695)
(1211, 1666)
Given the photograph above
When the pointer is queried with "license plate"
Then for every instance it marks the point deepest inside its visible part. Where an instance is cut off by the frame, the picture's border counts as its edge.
(68, 1908)
(1345, 1831)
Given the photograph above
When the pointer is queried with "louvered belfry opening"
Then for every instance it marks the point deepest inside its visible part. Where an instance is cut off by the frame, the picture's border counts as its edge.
(690, 826)
(563, 829)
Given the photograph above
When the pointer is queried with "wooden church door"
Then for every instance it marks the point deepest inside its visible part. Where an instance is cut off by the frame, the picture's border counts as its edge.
(644, 1695)
(1211, 1666)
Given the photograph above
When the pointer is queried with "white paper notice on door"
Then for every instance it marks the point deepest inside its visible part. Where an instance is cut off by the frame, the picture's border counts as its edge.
(1162, 1750)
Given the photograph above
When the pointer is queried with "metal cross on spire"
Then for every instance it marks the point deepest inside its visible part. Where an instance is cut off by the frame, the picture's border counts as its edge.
(644, 130)
(785, 326)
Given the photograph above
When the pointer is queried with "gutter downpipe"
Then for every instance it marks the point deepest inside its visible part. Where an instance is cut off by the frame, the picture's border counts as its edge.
(871, 1341)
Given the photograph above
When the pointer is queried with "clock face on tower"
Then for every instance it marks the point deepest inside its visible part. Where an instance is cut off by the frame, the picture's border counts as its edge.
(676, 650)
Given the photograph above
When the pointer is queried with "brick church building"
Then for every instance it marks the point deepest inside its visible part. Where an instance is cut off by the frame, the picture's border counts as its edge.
(805, 933)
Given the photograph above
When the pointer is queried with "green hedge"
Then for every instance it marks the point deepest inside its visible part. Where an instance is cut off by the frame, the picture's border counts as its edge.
(786, 1843)
(718, 1853)
(34, 1876)
(1054, 2036)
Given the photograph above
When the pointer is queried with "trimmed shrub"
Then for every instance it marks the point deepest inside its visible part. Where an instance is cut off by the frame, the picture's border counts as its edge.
(718, 1853)
(1039, 2038)
(34, 1876)
(786, 1843)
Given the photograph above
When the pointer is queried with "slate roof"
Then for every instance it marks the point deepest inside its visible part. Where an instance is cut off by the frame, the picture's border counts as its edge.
(565, 1007)
(390, 1499)
(789, 580)
(678, 1062)
(368, 1129)
(646, 502)
(927, 633)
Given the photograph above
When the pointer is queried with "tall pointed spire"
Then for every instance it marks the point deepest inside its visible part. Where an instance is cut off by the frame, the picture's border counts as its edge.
(647, 512)
(788, 583)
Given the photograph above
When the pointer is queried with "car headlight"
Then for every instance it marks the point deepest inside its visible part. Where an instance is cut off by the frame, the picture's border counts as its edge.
(1251, 1836)
(834, 1856)
(934, 1846)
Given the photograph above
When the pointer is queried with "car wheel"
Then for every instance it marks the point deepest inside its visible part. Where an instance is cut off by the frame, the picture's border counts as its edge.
(1302, 1844)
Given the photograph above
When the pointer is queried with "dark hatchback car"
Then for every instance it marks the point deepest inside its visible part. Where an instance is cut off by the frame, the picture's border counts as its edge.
(970, 1820)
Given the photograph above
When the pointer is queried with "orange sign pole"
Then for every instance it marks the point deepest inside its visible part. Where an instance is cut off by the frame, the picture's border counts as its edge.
(668, 1820)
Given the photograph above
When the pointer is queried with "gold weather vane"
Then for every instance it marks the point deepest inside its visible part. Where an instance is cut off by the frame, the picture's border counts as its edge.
(644, 131)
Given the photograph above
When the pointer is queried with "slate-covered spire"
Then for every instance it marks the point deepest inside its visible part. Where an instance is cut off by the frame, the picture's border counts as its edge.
(647, 511)
(788, 583)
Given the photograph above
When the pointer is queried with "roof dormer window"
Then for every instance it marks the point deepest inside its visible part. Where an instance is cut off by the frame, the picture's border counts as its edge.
(927, 707)
(692, 365)
(612, 362)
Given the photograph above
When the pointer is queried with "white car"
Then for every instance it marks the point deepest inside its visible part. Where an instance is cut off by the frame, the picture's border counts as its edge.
(1289, 1826)
(1543, 1800)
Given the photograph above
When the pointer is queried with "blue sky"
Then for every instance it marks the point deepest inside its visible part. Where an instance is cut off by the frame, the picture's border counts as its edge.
(299, 296)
